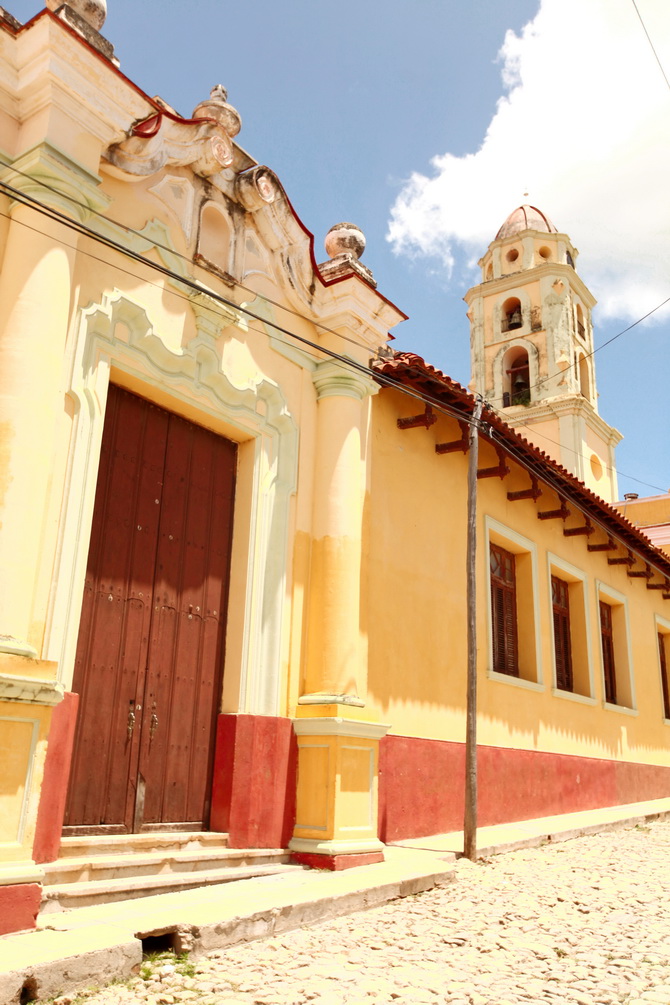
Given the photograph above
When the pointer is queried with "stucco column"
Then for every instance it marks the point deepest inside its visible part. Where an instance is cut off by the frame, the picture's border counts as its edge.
(334, 670)
(338, 747)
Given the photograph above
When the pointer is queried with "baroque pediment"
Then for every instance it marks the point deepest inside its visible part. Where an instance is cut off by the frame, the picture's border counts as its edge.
(164, 139)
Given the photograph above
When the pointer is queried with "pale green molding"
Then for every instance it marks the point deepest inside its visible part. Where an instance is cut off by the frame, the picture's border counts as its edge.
(335, 379)
(194, 373)
(51, 177)
(281, 343)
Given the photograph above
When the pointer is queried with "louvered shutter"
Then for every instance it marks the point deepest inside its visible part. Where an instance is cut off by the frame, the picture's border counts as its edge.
(607, 637)
(503, 608)
(664, 675)
(562, 643)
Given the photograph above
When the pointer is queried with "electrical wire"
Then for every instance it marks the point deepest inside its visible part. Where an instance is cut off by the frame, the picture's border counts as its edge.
(588, 355)
(644, 28)
(173, 251)
(346, 362)
(289, 310)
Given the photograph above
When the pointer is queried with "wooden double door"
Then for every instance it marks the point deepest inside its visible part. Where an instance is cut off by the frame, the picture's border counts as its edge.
(150, 650)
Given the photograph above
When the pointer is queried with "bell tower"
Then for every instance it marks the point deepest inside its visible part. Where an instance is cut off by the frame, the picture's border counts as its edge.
(531, 345)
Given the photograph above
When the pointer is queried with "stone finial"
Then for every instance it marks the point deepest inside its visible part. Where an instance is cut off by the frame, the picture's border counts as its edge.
(217, 107)
(345, 239)
(345, 244)
(93, 12)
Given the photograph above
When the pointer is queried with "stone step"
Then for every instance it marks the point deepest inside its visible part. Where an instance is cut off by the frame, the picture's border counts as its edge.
(65, 896)
(91, 868)
(131, 844)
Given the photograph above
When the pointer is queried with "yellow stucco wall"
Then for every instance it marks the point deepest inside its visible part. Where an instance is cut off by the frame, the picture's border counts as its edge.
(416, 609)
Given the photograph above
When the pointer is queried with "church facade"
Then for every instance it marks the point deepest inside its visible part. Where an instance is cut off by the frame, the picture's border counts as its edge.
(233, 518)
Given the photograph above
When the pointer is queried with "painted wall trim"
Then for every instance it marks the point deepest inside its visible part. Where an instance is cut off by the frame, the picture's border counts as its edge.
(335, 847)
(30, 689)
(195, 375)
(336, 726)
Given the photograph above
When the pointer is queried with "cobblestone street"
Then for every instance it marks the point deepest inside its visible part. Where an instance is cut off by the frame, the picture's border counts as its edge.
(585, 921)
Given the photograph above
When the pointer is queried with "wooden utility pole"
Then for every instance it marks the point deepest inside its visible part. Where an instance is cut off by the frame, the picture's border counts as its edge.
(470, 818)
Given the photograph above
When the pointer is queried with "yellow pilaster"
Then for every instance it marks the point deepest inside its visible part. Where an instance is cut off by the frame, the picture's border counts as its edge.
(36, 301)
(337, 747)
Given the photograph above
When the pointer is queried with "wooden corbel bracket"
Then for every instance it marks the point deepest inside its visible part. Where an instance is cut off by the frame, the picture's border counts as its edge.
(660, 586)
(645, 573)
(621, 560)
(426, 419)
(534, 492)
(587, 530)
(499, 470)
(453, 445)
(555, 514)
(609, 545)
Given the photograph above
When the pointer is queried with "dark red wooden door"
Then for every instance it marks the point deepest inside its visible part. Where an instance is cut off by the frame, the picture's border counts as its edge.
(150, 651)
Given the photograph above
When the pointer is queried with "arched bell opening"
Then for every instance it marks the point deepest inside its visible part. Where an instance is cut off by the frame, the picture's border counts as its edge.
(581, 326)
(511, 317)
(516, 378)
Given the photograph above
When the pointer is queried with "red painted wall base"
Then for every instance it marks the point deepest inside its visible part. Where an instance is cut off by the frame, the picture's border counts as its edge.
(421, 785)
(253, 793)
(335, 863)
(19, 906)
(53, 795)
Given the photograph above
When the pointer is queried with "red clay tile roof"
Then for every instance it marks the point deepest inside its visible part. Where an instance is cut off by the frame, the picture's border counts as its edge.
(410, 370)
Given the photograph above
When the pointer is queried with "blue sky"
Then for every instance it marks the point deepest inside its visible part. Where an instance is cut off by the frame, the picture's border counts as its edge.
(426, 120)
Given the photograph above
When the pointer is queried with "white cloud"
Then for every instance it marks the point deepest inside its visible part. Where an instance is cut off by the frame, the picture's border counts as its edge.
(584, 126)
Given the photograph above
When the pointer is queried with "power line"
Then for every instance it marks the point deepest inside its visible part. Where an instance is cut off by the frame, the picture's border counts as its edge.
(588, 355)
(262, 296)
(644, 28)
(346, 362)
(171, 251)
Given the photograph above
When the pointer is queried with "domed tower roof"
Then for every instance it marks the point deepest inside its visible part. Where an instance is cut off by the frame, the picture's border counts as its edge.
(525, 218)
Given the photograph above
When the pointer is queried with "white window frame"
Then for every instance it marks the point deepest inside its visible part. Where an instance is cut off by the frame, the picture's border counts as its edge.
(623, 660)
(558, 566)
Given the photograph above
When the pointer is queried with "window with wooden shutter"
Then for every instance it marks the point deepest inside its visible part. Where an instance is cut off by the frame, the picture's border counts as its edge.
(560, 601)
(503, 611)
(607, 637)
(664, 674)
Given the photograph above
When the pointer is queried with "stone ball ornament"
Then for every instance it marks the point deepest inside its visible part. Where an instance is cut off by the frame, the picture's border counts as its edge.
(93, 12)
(345, 239)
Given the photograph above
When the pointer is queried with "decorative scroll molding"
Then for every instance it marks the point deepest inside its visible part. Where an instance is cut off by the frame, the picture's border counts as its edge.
(193, 373)
(30, 689)
(203, 143)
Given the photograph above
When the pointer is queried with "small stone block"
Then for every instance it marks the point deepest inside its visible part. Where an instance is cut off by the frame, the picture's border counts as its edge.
(335, 863)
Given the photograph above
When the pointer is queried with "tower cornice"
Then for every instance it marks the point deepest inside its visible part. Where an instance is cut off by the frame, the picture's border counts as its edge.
(515, 279)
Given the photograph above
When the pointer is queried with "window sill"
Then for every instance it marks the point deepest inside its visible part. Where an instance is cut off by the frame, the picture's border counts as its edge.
(529, 685)
(619, 708)
(582, 699)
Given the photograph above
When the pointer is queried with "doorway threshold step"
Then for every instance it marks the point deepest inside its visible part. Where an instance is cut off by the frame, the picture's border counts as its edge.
(161, 862)
(131, 844)
(64, 896)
